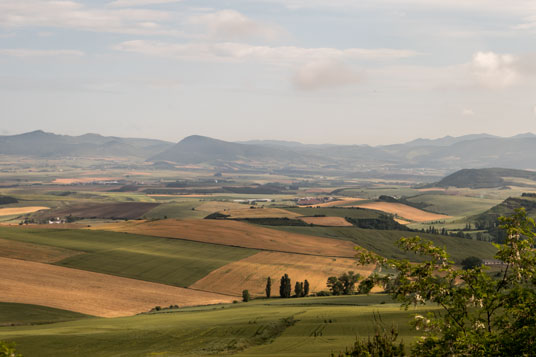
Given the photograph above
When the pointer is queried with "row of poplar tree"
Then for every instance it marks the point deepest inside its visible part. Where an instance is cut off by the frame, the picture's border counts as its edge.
(301, 288)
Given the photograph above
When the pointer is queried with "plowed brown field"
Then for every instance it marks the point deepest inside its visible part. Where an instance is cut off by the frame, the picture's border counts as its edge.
(91, 293)
(234, 233)
(251, 273)
(34, 252)
(402, 210)
(327, 221)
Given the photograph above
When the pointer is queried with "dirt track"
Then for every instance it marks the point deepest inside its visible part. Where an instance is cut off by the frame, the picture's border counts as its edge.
(251, 273)
(91, 293)
(234, 233)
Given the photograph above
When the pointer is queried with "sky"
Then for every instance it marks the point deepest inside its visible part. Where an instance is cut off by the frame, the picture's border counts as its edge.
(315, 71)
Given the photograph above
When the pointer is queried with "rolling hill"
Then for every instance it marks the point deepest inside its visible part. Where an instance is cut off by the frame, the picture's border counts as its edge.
(488, 178)
(42, 144)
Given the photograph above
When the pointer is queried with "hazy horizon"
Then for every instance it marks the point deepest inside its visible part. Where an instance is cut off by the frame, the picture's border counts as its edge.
(318, 71)
(268, 139)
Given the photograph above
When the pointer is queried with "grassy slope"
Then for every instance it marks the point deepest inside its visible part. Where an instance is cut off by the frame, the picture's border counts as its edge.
(23, 314)
(337, 212)
(383, 242)
(454, 205)
(161, 260)
(179, 210)
(322, 325)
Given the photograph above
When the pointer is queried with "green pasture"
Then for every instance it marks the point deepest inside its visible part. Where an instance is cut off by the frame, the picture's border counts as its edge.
(162, 260)
(355, 213)
(383, 242)
(454, 205)
(178, 210)
(12, 314)
(257, 328)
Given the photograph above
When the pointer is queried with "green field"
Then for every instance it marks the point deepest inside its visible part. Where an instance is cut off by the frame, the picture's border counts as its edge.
(12, 314)
(355, 213)
(178, 210)
(168, 261)
(454, 205)
(316, 327)
(383, 242)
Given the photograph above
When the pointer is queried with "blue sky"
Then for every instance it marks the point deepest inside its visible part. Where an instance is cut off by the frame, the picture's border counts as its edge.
(316, 71)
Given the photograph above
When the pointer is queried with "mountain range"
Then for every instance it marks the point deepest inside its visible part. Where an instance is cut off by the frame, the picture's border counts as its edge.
(447, 154)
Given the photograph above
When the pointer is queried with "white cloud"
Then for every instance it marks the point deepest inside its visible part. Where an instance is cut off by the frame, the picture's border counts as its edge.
(236, 52)
(324, 74)
(24, 52)
(74, 15)
(132, 3)
(494, 70)
(468, 112)
(232, 25)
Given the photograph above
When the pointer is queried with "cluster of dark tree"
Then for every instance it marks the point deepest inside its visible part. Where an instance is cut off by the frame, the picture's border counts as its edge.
(160, 308)
(301, 288)
(384, 222)
(345, 283)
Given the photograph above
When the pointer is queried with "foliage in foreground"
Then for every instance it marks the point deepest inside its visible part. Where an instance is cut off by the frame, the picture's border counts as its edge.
(7, 349)
(481, 315)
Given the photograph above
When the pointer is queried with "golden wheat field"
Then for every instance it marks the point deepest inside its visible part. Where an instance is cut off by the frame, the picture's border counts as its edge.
(404, 211)
(251, 273)
(91, 293)
(327, 221)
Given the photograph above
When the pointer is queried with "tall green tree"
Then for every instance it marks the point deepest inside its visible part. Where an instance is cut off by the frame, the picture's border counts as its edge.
(481, 314)
(305, 288)
(285, 289)
(298, 288)
(268, 287)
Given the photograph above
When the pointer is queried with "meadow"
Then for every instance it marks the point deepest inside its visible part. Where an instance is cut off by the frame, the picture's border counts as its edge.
(298, 327)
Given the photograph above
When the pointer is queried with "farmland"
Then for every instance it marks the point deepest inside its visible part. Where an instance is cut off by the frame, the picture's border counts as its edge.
(137, 245)
(90, 293)
(238, 234)
(302, 327)
(251, 272)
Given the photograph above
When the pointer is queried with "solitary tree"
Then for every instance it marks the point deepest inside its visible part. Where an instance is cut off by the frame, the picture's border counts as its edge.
(481, 314)
(471, 262)
(245, 296)
(268, 287)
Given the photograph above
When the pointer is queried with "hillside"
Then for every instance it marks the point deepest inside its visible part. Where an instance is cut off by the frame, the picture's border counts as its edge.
(198, 149)
(42, 144)
(488, 178)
